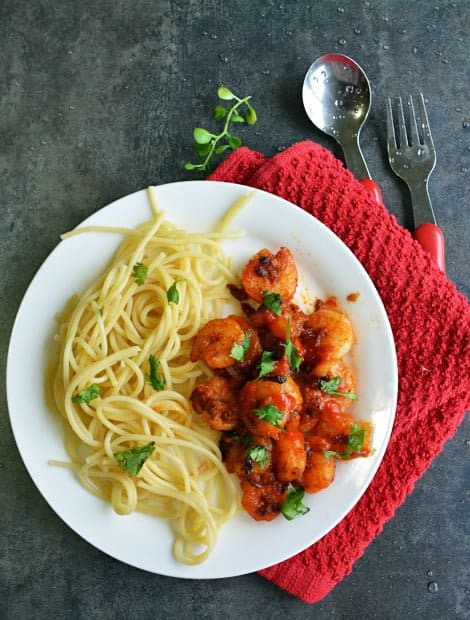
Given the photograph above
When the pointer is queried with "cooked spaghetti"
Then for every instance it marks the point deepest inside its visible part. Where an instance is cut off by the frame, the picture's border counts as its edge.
(124, 378)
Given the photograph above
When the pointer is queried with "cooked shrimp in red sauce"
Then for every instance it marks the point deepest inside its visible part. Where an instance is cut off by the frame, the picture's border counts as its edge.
(281, 391)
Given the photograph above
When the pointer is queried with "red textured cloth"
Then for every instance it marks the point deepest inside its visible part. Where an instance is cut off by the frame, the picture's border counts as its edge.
(430, 320)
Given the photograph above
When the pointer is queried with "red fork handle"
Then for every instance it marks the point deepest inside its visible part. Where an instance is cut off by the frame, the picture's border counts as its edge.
(431, 239)
(429, 236)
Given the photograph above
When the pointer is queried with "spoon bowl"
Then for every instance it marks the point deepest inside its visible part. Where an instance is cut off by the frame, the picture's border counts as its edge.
(337, 98)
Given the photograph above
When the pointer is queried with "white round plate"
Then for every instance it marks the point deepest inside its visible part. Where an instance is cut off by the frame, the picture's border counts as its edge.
(326, 267)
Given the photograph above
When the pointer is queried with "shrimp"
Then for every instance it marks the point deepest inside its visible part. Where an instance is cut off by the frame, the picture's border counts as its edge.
(255, 349)
(263, 503)
(279, 399)
(289, 456)
(216, 403)
(319, 472)
(215, 341)
(327, 334)
(248, 457)
(276, 273)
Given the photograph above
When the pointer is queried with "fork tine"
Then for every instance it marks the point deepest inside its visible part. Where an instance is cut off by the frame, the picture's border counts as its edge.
(402, 125)
(413, 126)
(427, 137)
(391, 140)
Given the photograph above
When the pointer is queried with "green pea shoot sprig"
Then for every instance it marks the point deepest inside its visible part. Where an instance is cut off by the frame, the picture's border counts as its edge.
(208, 144)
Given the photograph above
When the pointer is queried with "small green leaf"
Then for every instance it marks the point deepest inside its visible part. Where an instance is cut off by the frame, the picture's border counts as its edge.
(266, 364)
(156, 380)
(293, 506)
(100, 311)
(225, 94)
(258, 454)
(234, 141)
(189, 166)
(202, 136)
(87, 395)
(269, 413)
(272, 301)
(202, 149)
(221, 148)
(250, 115)
(329, 386)
(292, 354)
(132, 460)
(236, 118)
(240, 349)
(172, 294)
(355, 443)
(220, 112)
(139, 273)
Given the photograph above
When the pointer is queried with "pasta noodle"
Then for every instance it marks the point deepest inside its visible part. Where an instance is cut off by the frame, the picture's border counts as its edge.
(106, 338)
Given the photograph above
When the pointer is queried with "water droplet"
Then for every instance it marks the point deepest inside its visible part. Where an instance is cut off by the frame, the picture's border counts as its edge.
(349, 89)
(71, 107)
(458, 109)
(358, 91)
(433, 587)
(205, 33)
(69, 52)
(289, 33)
(445, 61)
(342, 41)
(463, 169)
(405, 166)
(265, 71)
(340, 9)
(183, 79)
(357, 31)
(429, 573)
(213, 36)
(339, 103)
(468, 149)
(223, 58)
(386, 47)
(323, 74)
(43, 142)
(415, 50)
(280, 148)
(401, 31)
(420, 153)
(466, 124)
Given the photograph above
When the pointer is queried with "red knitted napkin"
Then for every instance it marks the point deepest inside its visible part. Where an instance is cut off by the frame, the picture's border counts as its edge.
(430, 320)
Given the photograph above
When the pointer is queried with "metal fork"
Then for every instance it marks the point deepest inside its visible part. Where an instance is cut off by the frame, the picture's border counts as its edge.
(413, 158)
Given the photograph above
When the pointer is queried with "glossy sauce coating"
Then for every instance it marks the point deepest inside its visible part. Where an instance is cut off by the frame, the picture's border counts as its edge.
(284, 406)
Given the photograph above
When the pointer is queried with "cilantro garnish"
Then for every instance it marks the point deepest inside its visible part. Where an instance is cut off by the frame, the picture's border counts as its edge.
(269, 413)
(355, 443)
(240, 349)
(172, 294)
(272, 301)
(266, 364)
(293, 506)
(291, 352)
(258, 454)
(157, 381)
(139, 273)
(329, 386)
(132, 460)
(87, 395)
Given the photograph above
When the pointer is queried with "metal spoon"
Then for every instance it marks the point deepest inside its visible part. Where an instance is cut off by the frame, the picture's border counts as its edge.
(337, 98)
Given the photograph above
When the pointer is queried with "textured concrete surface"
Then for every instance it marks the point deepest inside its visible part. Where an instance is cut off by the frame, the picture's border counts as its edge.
(97, 100)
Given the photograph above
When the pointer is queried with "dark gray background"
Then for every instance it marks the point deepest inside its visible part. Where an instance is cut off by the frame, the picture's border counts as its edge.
(97, 100)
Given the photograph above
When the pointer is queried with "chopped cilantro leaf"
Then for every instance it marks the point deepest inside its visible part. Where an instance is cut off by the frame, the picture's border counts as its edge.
(132, 460)
(240, 349)
(87, 395)
(157, 381)
(139, 273)
(330, 387)
(172, 294)
(266, 364)
(293, 506)
(272, 301)
(270, 414)
(292, 354)
(258, 454)
(355, 443)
